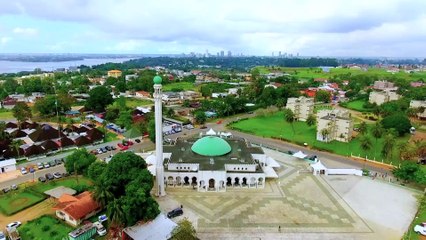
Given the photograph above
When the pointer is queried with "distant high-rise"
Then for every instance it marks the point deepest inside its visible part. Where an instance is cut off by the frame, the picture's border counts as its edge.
(222, 53)
(272, 54)
(229, 54)
(279, 54)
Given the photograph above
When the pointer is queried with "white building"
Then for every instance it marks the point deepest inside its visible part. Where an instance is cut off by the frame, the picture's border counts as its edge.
(381, 97)
(302, 107)
(334, 125)
(419, 104)
(212, 163)
(7, 165)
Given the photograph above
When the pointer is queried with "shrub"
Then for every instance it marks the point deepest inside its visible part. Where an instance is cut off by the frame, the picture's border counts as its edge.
(45, 228)
(53, 233)
(399, 122)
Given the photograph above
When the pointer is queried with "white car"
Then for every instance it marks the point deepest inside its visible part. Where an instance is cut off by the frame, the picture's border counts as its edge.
(23, 171)
(2, 236)
(13, 225)
(100, 228)
(40, 165)
(421, 229)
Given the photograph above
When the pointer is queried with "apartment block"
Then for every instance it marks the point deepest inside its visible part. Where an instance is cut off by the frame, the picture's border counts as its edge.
(302, 107)
(338, 125)
(419, 104)
(381, 97)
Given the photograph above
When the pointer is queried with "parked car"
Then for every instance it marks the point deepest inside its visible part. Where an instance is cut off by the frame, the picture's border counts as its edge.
(175, 212)
(6, 190)
(13, 225)
(137, 140)
(2, 236)
(104, 150)
(59, 161)
(99, 151)
(108, 148)
(420, 229)
(14, 187)
(94, 151)
(42, 179)
(57, 175)
(46, 165)
(124, 148)
(113, 148)
(100, 229)
(52, 163)
(40, 165)
(49, 176)
(23, 171)
(31, 169)
(102, 218)
(130, 143)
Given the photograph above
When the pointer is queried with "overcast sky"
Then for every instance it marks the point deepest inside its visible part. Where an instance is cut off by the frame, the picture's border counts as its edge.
(388, 28)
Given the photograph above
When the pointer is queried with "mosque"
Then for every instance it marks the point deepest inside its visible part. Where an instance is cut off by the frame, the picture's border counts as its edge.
(211, 162)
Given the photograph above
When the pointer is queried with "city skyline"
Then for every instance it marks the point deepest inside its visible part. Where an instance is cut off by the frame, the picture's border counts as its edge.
(326, 28)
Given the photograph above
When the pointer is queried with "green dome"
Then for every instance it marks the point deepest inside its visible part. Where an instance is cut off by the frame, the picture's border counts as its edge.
(211, 146)
(157, 80)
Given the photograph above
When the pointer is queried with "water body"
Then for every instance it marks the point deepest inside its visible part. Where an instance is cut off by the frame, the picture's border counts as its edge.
(15, 66)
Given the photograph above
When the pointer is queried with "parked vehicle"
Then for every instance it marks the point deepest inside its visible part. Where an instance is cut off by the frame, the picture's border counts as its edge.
(6, 190)
(52, 163)
(57, 175)
(40, 165)
(31, 169)
(420, 229)
(124, 148)
(14, 187)
(108, 148)
(49, 176)
(23, 171)
(13, 225)
(113, 148)
(137, 140)
(175, 212)
(94, 151)
(102, 218)
(46, 165)
(59, 161)
(2, 236)
(100, 229)
(13, 233)
(42, 179)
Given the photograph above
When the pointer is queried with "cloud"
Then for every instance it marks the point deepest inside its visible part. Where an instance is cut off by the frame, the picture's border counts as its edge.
(25, 31)
(127, 46)
(4, 40)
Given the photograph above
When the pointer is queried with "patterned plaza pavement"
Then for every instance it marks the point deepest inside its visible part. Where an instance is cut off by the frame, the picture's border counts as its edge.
(297, 205)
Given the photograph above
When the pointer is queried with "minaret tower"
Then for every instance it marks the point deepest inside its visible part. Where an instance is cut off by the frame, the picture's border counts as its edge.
(159, 136)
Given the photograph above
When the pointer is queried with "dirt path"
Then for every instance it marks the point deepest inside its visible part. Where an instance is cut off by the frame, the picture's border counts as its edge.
(31, 213)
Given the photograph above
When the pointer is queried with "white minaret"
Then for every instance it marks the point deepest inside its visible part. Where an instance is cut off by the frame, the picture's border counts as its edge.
(159, 136)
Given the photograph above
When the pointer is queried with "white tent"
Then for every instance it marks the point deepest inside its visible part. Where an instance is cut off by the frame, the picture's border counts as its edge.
(300, 154)
(211, 132)
(225, 134)
(318, 168)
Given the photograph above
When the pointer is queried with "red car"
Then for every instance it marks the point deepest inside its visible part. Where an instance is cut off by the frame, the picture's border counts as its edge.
(130, 143)
(120, 145)
(124, 148)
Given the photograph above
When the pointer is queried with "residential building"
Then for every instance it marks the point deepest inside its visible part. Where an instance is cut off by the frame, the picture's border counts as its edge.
(7, 165)
(75, 209)
(171, 98)
(417, 84)
(334, 125)
(383, 85)
(381, 97)
(114, 73)
(302, 107)
(421, 105)
(142, 94)
(130, 77)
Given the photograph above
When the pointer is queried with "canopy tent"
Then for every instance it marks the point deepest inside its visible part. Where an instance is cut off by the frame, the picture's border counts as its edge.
(318, 168)
(300, 154)
(211, 132)
(226, 134)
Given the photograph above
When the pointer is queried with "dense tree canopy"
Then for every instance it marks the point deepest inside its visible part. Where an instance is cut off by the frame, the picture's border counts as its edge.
(184, 231)
(99, 98)
(399, 122)
(47, 105)
(323, 96)
(21, 111)
(79, 161)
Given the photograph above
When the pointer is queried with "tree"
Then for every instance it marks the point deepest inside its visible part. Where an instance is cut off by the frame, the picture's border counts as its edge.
(311, 120)
(3, 134)
(125, 119)
(388, 145)
(365, 143)
(99, 98)
(325, 132)
(115, 213)
(399, 122)
(322, 96)
(16, 144)
(21, 112)
(362, 127)
(407, 151)
(49, 104)
(79, 161)
(96, 169)
(101, 194)
(184, 231)
(290, 118)
(200, 117)
(406, 171)
(377, 132)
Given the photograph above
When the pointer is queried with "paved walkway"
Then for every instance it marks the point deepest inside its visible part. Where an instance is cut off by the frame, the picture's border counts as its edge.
(296, 206)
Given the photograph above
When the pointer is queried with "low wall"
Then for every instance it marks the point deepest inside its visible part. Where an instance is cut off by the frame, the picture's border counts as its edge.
(343, 171)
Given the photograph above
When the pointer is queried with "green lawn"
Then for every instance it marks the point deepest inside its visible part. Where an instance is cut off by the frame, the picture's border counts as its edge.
(70, 182)
(45, 227)
(5, 114)
(16, 201)
(133, 102)
(357, 105)
(275, 127)
(185, 86)
(110, 136)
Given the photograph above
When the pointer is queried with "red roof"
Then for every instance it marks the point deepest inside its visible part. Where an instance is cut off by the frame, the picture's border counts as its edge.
(144, 93)
(77, 206)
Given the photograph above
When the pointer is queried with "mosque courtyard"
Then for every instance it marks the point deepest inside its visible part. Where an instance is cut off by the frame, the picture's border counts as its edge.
(298, 205)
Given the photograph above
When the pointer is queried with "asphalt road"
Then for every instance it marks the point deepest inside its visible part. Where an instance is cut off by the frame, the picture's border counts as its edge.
(29, 177)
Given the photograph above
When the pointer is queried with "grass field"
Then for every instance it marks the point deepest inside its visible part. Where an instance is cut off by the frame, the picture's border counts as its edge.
(70, 182)
(16, 201)
(5, 114)
(132, 102)
(357, 105)
(275, 127)
(186, 86)
(45, 227)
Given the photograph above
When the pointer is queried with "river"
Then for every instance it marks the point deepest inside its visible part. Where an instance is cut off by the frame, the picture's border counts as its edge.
(16, 66)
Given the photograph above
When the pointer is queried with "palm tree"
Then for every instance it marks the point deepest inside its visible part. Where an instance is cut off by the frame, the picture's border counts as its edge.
(388, 145)
(16, 144)
(116, 213)
(365, 143)
(377, 132)
(311, 120)
(102, 195)
(3, 134)
(377, 111)
(363, 127)
(289, 117)
(325, 132)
